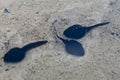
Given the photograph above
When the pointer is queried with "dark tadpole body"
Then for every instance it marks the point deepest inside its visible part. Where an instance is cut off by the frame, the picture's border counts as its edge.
(17, 54)
(71, 46)
(6, 11)
(77, 31)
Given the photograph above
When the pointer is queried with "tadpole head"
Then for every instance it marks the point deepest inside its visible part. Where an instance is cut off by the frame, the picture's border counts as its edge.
(74, 48)
(14, 55)
(75, 31)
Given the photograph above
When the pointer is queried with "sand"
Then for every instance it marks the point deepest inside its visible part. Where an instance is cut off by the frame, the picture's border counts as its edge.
(31, 20)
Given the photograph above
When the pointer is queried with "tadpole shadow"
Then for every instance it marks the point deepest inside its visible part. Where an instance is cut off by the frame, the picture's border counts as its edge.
(72, 47)
(17, 54)
(78, 31)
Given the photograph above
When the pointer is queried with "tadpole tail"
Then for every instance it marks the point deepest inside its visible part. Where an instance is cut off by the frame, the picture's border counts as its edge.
(96, 25)
(56, 35)
(33, 45)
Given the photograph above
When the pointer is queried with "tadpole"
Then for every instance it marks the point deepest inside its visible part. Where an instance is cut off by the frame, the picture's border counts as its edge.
(78, 31)
(6, 10)
(71, 46)
(17, 54)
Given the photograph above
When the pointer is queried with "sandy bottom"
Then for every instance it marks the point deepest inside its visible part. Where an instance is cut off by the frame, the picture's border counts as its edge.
(26, 21)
